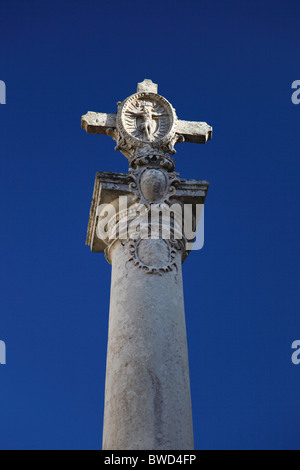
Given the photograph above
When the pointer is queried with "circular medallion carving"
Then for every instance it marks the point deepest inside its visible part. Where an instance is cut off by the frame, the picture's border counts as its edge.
(153, 253)
(153, 256)
(146, 118)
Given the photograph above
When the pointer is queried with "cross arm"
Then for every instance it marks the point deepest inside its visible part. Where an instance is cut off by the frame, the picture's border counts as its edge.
(98, 123)
(193, 131)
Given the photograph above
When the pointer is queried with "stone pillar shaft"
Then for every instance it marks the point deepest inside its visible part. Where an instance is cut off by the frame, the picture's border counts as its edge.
(147, 392)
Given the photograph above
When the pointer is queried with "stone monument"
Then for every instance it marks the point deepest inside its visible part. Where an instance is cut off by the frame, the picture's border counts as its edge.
(147, 389)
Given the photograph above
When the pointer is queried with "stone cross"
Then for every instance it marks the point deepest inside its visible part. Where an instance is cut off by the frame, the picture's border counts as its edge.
(139, 220)
(112, 124)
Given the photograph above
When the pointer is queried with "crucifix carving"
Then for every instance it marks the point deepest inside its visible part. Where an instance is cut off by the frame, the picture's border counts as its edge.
(147, 392)
(150, 118)
(159, 123)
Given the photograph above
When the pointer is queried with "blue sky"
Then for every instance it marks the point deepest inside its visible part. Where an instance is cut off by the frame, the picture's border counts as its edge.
(230, 64)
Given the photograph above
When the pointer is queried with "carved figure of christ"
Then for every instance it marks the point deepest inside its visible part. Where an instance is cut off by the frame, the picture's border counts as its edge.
(148, 115)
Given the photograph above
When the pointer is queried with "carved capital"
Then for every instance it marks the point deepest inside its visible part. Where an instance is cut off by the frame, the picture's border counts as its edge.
(144, 210)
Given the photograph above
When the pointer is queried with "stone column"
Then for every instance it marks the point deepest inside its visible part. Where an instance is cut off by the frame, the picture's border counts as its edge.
(147, 392)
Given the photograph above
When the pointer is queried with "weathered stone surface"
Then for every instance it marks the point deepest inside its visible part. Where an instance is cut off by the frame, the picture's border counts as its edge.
(147, 86)
(153, 184)
(192, 131)
(98, 123)
(109, 186)
(147, 393)
(146, 118)
(195, 132)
